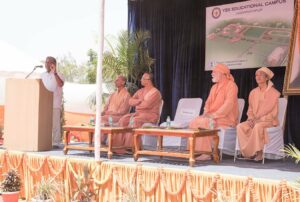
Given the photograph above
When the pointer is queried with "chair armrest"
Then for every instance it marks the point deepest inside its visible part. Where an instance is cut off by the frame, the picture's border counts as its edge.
(229, 129)
(274, 129)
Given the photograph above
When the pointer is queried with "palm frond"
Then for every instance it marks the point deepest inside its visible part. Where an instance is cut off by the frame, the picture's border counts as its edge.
(130, 57)
(292, 151)
(108, 42)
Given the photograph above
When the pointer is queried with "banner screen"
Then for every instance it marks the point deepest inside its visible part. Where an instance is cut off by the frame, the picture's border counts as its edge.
(249, 34)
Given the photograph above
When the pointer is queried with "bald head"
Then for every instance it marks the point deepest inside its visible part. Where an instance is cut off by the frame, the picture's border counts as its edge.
(147, 79)
(123, 78)
(120, 81)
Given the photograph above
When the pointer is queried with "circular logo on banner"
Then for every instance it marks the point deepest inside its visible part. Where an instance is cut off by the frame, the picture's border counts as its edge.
(216, 12)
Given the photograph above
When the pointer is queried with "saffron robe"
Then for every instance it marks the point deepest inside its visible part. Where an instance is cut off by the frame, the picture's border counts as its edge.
(222, 106)
(263, 107)
(117, 106)
(145, 112)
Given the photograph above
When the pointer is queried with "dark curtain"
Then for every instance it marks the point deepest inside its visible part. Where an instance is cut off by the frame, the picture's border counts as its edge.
(178, 46)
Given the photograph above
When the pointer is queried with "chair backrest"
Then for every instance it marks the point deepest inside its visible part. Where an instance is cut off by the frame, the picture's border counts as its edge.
(160, 110)
(187, 109)
(241, 104)
(282, 105)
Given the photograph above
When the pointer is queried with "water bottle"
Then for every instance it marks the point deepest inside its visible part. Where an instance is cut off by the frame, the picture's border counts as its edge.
(110, 121)
(168, 122)
(211, 123)
(131, 121)
(92, 121)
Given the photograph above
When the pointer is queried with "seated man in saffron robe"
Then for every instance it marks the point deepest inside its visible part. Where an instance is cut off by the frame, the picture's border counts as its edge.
(220, 110)
(147, 102)
(262, 113)
(117, 104)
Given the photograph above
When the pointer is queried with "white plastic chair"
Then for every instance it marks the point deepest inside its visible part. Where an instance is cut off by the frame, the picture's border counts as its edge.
(227, 136)
(160, 110)
(150, 141)
(187, 110)
(273, 150)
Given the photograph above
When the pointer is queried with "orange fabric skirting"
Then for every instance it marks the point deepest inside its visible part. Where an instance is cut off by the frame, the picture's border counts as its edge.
(116, 181)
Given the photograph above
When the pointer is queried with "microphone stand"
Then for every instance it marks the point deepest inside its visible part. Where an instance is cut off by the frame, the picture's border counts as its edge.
(31, 72)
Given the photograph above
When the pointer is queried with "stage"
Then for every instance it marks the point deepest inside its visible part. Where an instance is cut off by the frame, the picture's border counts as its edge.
(272, 169)
(155, 179)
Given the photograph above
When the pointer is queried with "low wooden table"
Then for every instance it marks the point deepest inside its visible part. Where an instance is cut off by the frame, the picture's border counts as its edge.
(188, 133)
(91, 129)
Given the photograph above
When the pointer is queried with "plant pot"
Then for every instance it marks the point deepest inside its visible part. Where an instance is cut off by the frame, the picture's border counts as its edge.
(10, 196)
(40, 200)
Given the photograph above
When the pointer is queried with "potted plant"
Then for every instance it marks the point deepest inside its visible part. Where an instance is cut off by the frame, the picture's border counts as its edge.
(46, 190)
(11, 186)
(84, 191)
(130, 194)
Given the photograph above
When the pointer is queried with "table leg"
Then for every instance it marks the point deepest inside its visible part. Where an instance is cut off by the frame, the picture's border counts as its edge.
(216, 145)
(109, 150)
(91, 140)
(159, 144)
(192, 151)
(136, 146)
(66, 137)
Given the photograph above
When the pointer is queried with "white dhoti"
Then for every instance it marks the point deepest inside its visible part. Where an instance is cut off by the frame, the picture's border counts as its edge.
(56, 127)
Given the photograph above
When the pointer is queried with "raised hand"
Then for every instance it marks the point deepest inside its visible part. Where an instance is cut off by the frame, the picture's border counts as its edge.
(53, 68)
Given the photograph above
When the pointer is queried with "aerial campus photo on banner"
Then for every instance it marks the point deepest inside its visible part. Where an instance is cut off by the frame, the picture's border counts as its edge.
(249, 34)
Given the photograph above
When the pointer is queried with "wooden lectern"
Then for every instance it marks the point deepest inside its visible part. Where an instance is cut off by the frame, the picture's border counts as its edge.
(28, 115)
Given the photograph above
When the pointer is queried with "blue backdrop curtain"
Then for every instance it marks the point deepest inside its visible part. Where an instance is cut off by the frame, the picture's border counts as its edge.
(178, 46)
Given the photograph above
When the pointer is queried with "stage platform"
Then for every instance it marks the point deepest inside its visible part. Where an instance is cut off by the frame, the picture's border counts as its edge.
(272, 169)
(166, 179)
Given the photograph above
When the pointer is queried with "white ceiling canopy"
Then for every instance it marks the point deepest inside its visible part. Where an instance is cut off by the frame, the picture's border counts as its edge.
(14, 60)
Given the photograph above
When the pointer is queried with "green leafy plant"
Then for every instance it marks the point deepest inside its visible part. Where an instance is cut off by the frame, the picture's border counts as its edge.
(11, 182)
(47, 189)
(83, 192)
(130, 194)
(293, 152)
(223, 196)
(130, 57)
(72, 71)
(126, 55)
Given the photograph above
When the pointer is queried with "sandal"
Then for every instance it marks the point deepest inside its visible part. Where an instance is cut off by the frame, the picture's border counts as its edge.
(204, 157)
(258, 158)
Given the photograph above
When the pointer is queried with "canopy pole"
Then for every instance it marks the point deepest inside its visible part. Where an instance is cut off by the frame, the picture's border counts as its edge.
(99, 82)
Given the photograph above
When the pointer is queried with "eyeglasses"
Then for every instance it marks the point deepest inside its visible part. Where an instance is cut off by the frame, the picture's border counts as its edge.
(145, 78)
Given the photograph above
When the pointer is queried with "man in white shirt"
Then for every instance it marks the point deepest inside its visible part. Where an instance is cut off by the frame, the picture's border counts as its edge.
(54, 82)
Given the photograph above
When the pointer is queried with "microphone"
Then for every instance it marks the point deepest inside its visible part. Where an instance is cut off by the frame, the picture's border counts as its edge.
(37, 66)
